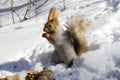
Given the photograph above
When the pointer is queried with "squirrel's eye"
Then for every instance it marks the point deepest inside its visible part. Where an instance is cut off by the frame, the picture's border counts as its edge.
(50, 26)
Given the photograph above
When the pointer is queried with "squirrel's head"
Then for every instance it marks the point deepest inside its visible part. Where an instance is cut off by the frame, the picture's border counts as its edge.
(52, 22)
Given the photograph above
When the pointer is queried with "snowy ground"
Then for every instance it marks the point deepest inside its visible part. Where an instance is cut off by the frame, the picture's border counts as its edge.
(22, 47)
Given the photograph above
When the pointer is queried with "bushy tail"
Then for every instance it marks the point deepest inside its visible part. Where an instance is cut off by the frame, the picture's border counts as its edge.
(76, 26)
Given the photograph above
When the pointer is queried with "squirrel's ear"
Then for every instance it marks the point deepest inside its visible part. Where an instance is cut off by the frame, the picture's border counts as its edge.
(52, 14)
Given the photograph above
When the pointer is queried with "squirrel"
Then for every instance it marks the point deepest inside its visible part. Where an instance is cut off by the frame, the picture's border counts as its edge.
(68, 44)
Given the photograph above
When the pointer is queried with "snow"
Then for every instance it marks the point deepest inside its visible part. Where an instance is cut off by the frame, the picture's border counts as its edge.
(22, 47)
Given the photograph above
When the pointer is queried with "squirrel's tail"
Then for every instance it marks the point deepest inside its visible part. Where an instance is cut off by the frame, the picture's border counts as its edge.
(76, 27)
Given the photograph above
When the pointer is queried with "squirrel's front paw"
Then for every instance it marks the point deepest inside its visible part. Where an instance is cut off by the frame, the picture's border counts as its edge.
(46, 35)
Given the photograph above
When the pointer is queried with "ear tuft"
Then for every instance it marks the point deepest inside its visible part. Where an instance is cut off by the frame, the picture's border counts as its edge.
(52, 14)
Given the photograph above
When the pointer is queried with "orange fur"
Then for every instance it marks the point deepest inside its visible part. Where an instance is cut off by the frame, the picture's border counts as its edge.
(47, 35)
(52, 22)
(51, 13)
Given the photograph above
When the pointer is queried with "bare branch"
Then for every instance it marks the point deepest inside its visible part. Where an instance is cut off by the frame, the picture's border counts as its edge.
(18, 16)
(36, 11)
(42, 4)
(29, 8)
(64, 7)
(0, 21)
(12, 11)
(27, 11)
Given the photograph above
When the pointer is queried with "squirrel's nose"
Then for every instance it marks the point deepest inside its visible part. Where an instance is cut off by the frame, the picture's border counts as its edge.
(46, 29)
